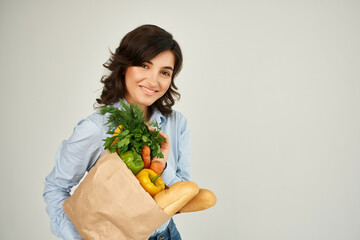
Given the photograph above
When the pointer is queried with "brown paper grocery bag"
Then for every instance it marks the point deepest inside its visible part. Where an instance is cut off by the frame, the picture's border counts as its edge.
(111, 204)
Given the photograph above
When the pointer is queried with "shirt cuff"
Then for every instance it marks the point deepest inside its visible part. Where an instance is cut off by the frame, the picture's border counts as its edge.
(169, 176)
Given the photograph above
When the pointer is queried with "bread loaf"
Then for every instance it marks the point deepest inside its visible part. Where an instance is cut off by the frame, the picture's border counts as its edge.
(203, 200)
(171, 200)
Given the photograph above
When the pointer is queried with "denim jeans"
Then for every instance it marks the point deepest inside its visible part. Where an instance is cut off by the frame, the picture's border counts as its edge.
(170, 232)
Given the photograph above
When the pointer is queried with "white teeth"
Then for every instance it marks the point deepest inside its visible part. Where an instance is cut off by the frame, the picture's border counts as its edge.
(148, 90)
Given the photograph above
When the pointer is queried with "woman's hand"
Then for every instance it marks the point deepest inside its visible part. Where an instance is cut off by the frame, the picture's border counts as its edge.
(164, 147)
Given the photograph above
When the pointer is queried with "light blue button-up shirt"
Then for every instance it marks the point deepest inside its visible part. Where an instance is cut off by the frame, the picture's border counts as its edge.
(79, 153)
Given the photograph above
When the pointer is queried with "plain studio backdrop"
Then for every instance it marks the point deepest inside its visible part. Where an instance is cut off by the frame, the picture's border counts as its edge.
(271, 90)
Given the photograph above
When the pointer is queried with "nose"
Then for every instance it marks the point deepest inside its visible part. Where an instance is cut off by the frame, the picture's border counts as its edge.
(153, 78)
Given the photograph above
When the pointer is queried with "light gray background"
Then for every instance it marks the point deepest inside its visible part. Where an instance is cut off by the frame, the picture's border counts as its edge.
(270, 88)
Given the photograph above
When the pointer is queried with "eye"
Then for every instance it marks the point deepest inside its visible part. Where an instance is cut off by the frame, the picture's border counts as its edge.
(166, 73)
(143, 65)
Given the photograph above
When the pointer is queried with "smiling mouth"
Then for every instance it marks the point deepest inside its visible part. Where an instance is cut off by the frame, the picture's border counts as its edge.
(148, 91)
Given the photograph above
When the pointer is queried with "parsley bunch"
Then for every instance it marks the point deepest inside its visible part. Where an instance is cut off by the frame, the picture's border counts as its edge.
(135, 134)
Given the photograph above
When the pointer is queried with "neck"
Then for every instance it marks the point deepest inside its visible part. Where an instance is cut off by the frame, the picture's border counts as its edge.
(145, 109)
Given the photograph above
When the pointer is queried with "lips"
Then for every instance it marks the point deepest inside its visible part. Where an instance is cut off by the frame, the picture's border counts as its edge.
(148, 91)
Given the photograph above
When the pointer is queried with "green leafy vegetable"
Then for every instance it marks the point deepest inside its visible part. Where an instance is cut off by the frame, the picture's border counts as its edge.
(135, 134)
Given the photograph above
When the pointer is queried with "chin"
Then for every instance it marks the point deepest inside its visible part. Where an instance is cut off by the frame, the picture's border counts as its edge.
(147, 102)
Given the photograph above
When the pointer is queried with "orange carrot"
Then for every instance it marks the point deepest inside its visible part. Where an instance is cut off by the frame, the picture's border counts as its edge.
(146, 156)
(157, 167)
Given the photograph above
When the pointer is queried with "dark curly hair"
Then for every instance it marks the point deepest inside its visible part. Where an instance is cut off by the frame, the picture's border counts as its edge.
(137, 47)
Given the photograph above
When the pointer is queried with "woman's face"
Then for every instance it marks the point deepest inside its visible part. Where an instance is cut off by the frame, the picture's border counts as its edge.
(147, 83)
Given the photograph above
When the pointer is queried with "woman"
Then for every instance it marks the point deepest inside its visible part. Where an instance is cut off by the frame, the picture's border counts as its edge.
(142, 71)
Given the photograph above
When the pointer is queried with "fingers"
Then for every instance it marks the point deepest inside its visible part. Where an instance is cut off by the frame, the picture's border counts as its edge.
(163, 135)
(167, 142)
(149, 127)
(160, 133)
(164, 146)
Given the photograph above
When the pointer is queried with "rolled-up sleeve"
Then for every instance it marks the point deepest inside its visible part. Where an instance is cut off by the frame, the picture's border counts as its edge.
(179, 133)
(183, 161)
(74, 157)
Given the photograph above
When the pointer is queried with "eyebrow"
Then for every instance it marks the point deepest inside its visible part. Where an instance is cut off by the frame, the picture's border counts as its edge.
(166, 67)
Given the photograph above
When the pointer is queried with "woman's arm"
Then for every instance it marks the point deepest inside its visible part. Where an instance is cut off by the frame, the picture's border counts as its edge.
(182, 172)
(73, 158)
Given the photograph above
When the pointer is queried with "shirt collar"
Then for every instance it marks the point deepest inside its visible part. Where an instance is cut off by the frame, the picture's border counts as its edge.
(157, 115)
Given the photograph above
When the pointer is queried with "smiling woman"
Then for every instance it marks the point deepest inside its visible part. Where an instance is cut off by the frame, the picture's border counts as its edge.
(150, 81)
(153, 49)
(142, 71)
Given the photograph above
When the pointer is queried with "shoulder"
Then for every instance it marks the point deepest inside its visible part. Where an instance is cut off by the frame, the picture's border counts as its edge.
(177, 121)
(98, 119)
(177, 116)
(90, 127)
(86, 128)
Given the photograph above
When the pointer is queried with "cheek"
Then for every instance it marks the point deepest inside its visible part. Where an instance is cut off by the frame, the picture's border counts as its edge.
(165, 85)
(131, 76)
(133, 72)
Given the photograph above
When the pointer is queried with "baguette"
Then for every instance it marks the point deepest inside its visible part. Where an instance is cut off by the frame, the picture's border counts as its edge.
(203, 200)
(171, 200)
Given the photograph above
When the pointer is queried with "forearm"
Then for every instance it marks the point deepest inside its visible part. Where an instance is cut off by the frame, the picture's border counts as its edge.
(61, 226)
(73, 158)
